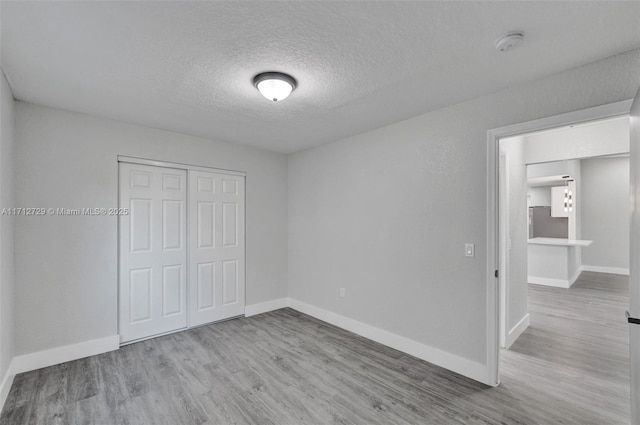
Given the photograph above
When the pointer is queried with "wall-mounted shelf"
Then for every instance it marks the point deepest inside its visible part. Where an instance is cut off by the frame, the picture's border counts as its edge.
(560, 242)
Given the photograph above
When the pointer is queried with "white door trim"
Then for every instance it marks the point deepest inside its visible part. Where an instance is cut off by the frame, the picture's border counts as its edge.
(493, 136)
(143, 161)
(503, 253)
(634, 275)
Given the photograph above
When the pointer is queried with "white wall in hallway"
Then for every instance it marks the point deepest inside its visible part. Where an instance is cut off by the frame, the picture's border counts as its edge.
(605, 212)
(515, 285)
(66, 267)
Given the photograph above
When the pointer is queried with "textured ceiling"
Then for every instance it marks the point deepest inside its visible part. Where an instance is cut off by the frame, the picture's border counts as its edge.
(187, 66)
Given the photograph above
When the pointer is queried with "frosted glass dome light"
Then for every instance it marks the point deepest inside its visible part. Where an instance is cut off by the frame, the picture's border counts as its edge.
(274, 86)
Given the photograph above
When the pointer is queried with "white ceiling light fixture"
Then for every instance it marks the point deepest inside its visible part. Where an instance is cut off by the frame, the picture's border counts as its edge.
(274, 86)
(509, 41)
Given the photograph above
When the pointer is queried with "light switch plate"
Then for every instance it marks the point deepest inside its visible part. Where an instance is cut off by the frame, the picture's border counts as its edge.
(469, 250)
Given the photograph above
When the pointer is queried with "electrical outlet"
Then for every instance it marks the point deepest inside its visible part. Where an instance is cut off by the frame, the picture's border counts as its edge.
(469, 250)
(342, 292)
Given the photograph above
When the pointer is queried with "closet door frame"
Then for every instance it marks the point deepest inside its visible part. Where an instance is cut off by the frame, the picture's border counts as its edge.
(177, 165)
(187, 168)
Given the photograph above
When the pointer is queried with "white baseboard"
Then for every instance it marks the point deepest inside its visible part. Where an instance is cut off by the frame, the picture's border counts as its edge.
(40, 359)
(5, 385)
(466, 367)
(253, 309)
(517, 330)
(601, 269)
(461, 365)
(558, 283)
(575, 276)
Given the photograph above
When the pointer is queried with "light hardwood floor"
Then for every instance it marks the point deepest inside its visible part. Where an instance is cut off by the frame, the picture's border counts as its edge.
(283, 367)
(571, 365)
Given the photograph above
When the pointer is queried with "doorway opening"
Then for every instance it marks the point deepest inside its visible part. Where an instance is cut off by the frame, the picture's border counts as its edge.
(563, 196)
(541, 234)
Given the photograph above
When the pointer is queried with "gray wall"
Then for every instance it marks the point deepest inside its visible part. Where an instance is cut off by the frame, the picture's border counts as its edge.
(605, 212)
(66, 267)
(7, 116)
(385, 214)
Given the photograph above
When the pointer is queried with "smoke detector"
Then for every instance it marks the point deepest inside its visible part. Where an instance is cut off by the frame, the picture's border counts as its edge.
(509, 41)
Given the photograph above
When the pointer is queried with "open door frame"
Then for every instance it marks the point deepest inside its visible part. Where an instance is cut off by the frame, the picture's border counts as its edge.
(634, 263)
(493, 223)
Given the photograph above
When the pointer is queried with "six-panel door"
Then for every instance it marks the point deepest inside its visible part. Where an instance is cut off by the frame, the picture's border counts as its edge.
(216, 247)
(163, 285)
(153, 251)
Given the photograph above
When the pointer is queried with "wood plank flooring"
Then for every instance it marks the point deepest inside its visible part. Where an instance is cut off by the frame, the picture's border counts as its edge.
(573, 360)
(284, 367)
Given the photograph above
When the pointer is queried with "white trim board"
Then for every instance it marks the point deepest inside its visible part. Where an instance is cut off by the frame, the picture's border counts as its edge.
(575, 276)
(5, 386)
(461, 365)
(153, 162)
(557, 283)
(53, 356)
(466, 367)
(517, 330)
(602, 269)
(264, 307)
(57, 355)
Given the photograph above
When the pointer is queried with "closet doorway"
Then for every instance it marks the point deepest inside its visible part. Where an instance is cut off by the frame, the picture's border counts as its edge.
(181, 247)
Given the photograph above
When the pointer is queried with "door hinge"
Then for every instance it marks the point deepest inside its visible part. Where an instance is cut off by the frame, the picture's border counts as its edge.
(630, 319)
(496, 273)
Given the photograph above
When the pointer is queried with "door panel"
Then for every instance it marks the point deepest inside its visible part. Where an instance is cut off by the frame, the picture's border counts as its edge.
(140, 225)
(230, 279)
(140, 295)
(153, 255)
(230, 224)
(172, 224)
(206, 286)
(172, 290)
(206, 224)
(216, 234)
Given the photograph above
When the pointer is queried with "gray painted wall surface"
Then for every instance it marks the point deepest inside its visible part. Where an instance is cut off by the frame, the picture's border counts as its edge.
(66, 267)
(386, 214)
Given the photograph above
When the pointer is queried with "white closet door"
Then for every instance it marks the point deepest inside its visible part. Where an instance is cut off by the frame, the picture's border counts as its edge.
(216, 247)
(153, 254)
